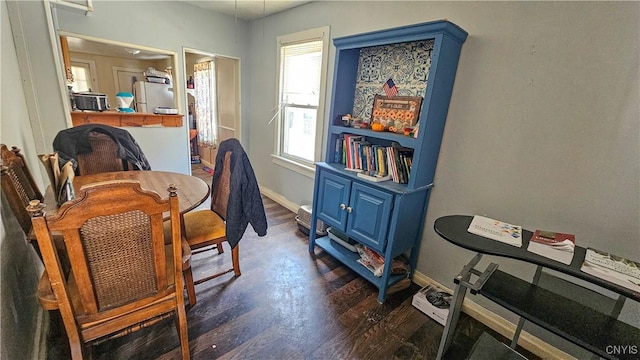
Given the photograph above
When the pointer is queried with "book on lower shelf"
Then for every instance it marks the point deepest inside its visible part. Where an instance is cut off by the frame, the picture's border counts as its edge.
(613, 268)
(496, 230)
(373, 177)
(554, 245)
(342, 239)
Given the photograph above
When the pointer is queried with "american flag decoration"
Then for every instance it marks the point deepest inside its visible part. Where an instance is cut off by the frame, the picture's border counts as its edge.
(390, 88)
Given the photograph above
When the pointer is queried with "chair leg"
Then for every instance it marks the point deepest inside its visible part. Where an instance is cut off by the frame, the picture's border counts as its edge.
(76, 346)
(77, 350)
(220, 248)
(235, 259)
(191, 291)
(181, 327)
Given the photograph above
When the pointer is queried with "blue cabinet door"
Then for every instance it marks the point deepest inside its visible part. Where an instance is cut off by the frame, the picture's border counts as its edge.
(369, 212)
(333, 198)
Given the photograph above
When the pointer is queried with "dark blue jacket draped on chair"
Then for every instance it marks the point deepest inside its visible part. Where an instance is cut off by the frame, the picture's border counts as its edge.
(73, 141)
(245, 203)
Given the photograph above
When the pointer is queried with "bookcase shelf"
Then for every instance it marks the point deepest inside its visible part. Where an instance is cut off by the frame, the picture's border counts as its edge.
(561, 315)
(348, 257)
(380, 135)
(385, 216)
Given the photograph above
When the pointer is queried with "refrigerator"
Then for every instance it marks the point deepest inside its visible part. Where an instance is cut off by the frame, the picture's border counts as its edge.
(150, 96)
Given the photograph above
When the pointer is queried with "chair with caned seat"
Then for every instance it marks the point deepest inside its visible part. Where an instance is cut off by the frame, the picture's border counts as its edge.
(99, 148)
(123, 275)
(103, 156)
(19, 187)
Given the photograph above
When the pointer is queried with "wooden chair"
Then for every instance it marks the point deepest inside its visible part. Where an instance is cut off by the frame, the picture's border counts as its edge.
(103, 157)
(206, 229)
(123, 275)
(19, 188)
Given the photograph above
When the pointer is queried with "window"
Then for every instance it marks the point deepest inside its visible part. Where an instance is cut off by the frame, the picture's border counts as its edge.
(302, 60)
(83, 75)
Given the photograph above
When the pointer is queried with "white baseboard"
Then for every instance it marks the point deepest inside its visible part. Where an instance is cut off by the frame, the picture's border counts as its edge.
(499, 324)
(279, 199)
(206, 163)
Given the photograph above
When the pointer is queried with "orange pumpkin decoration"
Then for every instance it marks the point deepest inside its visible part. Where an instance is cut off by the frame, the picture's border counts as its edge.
(377, 127)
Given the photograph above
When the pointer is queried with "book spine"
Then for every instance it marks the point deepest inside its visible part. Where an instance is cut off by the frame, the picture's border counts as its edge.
(347, 139)
(391, 164)
(338, 152)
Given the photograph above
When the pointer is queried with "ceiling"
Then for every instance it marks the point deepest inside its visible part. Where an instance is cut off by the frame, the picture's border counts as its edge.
(105, 49)
(243, 9)
(246, 9)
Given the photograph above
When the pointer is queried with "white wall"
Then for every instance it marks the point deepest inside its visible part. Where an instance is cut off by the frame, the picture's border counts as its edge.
(37, 65)
(20, 313)
(543, 126)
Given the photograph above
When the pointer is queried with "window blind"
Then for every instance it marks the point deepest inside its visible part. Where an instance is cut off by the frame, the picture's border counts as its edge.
(301, 69)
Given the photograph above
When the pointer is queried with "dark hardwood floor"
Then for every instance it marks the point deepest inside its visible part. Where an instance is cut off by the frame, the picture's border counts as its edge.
(287, 304)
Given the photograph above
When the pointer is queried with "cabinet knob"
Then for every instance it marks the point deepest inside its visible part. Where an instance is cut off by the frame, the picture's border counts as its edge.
(343, 206)
(349, 209)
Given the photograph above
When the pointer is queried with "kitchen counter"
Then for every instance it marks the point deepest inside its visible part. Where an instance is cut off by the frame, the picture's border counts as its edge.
(119, 119)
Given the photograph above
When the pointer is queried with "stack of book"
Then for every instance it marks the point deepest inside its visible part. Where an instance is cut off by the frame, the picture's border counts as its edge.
(496, 230)
(374, 162)
(612, 268)
(400, 160)
(554, 245)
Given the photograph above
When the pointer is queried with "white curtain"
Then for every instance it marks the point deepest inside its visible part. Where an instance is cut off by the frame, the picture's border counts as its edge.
(204, 78)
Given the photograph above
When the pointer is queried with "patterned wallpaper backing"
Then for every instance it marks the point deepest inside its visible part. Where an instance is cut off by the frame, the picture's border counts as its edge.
(406, 63)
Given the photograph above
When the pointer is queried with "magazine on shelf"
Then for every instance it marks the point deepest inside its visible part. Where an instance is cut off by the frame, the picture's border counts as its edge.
(496, 230)
(554, 245)
(370, 259)
(612, 268)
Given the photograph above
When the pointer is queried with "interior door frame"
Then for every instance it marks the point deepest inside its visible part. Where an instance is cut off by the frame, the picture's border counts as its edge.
(238, 120)
(116, 69)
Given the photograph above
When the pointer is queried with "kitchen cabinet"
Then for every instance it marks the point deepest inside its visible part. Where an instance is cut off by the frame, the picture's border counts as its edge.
(385, 216)
(120, 119)
(66, 59)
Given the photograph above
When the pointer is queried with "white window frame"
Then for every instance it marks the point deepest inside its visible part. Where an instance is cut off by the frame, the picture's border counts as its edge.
(95, 87)
(301, 166)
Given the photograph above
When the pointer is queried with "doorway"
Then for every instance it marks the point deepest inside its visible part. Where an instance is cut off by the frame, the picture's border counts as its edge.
(225, 117)
(125, 78)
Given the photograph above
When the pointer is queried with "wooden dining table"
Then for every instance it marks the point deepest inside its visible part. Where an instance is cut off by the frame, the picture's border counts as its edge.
(192, 191)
